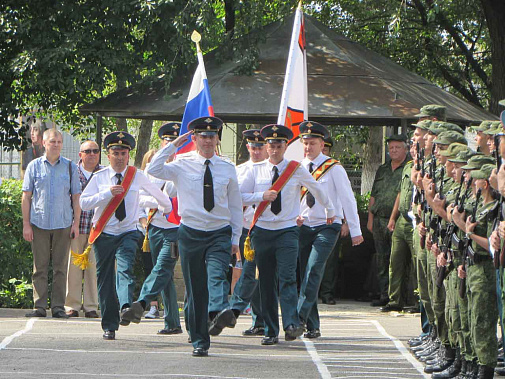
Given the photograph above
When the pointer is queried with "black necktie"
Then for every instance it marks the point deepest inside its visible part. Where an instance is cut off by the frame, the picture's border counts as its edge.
(121, 210)
(208, 188)
(276, 204)
(310, 198)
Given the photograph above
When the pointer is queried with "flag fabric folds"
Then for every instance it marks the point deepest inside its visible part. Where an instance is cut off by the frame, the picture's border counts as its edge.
(294, 101)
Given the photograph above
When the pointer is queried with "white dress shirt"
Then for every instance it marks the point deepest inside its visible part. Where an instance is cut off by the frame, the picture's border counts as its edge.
(258, 179)
(148, 202)
(97, 195)
(337, 186)
(186, 172)
(249, 210)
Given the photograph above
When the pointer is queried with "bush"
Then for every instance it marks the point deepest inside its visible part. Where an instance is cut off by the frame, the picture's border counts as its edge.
(16, 258)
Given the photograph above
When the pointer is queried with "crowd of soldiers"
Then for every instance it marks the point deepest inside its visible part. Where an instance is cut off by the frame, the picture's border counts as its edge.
(448, 217)
(270, 213)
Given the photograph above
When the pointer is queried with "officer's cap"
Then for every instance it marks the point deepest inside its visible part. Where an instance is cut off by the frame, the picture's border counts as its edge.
(477, 161)
(423, 124)
(275, 133)
(454, 149)
(432, 110)
(311, 129)
(253, 137)
(448, 137)
(464, 156)
(169, 131)
(206, 126)
(484, 172)
(397, 137)
(328, 142)
(119, 140)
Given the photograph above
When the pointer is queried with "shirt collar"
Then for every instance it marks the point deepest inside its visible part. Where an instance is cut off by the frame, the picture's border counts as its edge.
(202, 159)
(112, 173)
(44, 158)
(317, 160)
(280, 166)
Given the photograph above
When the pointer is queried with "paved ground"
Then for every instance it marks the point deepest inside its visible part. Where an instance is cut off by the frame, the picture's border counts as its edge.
(358, 342)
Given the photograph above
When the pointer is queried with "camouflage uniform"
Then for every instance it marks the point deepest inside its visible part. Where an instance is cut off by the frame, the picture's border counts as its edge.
(384, 191)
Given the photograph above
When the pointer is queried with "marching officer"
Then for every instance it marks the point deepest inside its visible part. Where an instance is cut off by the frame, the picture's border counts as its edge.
(113, 193)
(210, 207)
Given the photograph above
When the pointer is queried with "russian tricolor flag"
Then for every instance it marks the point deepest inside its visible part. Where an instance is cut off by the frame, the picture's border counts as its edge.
(199, 103)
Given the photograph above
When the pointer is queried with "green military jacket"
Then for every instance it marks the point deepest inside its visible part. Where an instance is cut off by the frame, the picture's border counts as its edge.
(484, 226)
(405, 189)
(384, 189)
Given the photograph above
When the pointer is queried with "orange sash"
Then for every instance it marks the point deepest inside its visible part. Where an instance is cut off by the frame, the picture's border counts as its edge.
(277, 186)
(319, 172)
(109, 210)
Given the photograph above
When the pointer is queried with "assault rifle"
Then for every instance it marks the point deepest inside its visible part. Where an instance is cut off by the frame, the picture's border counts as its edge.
(468, 241)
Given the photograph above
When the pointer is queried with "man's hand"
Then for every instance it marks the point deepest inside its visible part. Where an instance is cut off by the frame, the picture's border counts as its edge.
(421, 229)
(299, 221)
(439, 203)
(330, 220)
(369, 225)
(270, 195)
(391, 224)
(236, 250)
(495, 241)
(74, 230)
(441, 261)
(434, 249)
(501, 229)
(179, 141)
(116, 190)
(27, 232)
(358, 240)
(428, 241)
(450, 208)
(461, 272)
(143, 222)
(344, 230)
(470, 226)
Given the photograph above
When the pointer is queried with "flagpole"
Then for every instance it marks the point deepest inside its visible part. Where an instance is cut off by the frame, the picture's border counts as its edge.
(287, 82)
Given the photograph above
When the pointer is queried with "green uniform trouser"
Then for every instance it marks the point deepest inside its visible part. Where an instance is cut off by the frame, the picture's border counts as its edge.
(382, 242)
(400, 265)
(483, 310)
(422, 279)
(437, 296)
(452, 309)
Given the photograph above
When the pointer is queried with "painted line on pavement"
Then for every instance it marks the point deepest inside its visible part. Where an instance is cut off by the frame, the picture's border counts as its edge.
(7, 340)
(81, 374)
(321, 367)
(419, 367)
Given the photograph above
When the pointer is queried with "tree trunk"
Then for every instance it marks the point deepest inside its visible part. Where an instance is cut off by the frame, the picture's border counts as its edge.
(372, 157)
(494, 11)
(121, 125)
(143, 139)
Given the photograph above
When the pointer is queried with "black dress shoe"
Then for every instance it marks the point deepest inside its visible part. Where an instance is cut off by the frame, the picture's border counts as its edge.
(412, 309)
(170, 331)
(122, 321)
(109, 335)
(72, 313)
(328, 300)
(200, 352)
(292, 332)
(500, 371)
(59, 314)
(379, 303)
(133, 313)
(224, 319)
(314, 333)
(269, 341)
(391, 308)
(36, 313)
(253, 331)
(91, 314)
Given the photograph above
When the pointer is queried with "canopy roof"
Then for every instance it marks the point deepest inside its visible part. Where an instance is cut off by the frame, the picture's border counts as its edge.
(348, 84)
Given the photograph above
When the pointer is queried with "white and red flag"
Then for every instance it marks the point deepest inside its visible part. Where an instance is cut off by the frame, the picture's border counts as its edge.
(294, 100)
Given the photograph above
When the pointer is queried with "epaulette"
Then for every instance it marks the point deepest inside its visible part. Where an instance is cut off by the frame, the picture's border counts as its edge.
(226, 159)
(184, 155)
(102, 169)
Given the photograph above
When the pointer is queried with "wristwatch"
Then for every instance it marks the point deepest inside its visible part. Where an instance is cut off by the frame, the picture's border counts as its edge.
(469, 234)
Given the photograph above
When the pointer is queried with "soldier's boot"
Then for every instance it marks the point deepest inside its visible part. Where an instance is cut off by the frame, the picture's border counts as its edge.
(464, 368)
(452, 371)
(474, 374)
(432, 348)
(485, 372)
(448, 355)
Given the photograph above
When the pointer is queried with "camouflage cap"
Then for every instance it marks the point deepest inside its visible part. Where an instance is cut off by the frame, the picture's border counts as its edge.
(484, 172)
(454, 149)
(397, 137)
(424, 124)
(477, 161)
(450, 136)
(432, 110)
(484, 125)
(494, 128)
(451, 126)
(436, 128)
(464, 156)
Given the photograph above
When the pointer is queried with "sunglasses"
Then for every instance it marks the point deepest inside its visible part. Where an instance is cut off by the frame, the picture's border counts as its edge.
(89, 151)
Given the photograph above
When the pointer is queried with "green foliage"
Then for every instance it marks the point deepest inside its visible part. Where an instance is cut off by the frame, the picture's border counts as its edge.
(16, 257)
(350, 137)
(362, 201)
(17, 294)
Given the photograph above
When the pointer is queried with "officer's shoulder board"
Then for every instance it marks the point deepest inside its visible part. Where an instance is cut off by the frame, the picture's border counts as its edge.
(101, 170)
(185, 155)
(226, 159)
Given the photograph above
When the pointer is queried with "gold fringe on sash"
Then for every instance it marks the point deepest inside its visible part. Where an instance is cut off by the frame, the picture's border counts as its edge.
(248, 250)
(145, 246)
(81, 260)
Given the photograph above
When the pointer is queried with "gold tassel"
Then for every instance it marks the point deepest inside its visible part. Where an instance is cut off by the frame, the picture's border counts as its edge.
(145, 246)
(248, 250)
(81, 260)
(257, 274)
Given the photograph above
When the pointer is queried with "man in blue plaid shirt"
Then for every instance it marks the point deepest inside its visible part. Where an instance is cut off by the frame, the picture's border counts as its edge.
(81, 284)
